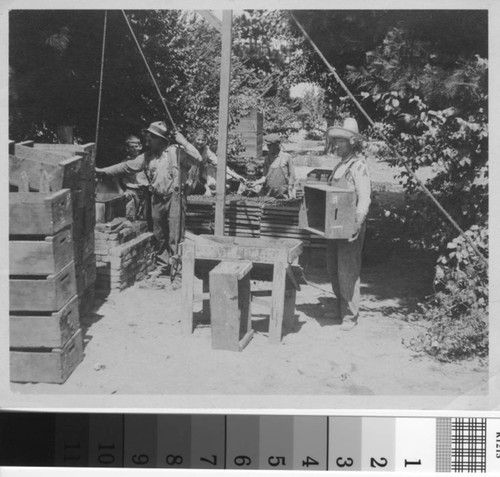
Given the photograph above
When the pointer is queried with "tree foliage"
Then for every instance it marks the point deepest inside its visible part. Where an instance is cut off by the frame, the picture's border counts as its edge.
(55, 73)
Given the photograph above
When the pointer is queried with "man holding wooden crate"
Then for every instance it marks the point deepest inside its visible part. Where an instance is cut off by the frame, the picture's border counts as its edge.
(166, 183)
(344, 256)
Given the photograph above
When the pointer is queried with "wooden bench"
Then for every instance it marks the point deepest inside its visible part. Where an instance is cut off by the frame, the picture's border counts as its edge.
(230, 297)
(276, 256)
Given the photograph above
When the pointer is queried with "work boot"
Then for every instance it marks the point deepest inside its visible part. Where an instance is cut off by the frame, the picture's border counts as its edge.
(332, 316)
(177, 282)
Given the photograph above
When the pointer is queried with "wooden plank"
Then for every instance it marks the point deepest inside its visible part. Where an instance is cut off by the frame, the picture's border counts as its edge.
(225, 83)
(230, 304)
(41, 257)
(20, 168)
(86, 274)
(34, 213)
(50, 156)
(88, 150)
(49, 294)
(45, 331)
(47, 367)
(188, 258)
(63, 175)
(277, 301)
(86, 301)
(230, 252)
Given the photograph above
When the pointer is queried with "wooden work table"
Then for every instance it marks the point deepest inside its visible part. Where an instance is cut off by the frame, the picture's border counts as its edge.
(273, 259)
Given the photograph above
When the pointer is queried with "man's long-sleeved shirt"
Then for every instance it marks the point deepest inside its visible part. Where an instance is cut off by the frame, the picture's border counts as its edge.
(161, 170)
(355, 170)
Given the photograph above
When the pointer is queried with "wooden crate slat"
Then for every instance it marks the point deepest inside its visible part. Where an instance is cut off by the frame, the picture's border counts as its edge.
(47, 367)
(41, 257)
(49, 294)
(62, 175)
(45, 331)
(32, 213)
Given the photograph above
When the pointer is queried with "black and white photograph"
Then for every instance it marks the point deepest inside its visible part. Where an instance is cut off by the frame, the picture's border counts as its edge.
(249, 207)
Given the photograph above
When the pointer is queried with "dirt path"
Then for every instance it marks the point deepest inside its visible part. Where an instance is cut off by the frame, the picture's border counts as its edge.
(135, 344)
(130, 352)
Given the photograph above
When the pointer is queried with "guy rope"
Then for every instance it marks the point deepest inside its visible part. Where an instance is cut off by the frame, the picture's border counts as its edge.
(386, 140)
(149, 70)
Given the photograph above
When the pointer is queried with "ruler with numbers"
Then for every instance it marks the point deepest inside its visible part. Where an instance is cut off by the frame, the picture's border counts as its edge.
(281, 442)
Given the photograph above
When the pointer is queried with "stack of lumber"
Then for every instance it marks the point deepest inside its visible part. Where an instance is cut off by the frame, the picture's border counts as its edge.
(200, 215)
(52, 167)
(281, 219)
(46, 341)
(242, 218)
(249, 129)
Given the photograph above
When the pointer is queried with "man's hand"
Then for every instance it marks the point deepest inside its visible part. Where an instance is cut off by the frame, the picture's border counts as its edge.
(180, 138)
(359, 218)
(128, 194)
(358, 222)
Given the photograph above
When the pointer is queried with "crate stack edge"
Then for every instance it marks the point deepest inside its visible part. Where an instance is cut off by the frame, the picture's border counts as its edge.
(46, 342)
(80, 179)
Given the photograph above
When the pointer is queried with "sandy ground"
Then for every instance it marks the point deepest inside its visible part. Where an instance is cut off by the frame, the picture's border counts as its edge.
(134, 342)
(130, 352)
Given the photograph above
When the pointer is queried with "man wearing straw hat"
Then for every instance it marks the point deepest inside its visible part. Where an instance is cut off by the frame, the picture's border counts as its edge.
(160, 165)
(344, 256)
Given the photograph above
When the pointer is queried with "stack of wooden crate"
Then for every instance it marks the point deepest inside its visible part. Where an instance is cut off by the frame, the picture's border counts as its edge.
(68, 166)
(250, 131)
(46, 342)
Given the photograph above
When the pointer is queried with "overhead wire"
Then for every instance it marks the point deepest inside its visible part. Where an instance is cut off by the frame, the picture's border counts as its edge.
(101, 77)
(149, 70)
(386, 140)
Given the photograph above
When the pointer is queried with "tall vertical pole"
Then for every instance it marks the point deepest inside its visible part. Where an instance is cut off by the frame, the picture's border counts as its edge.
(225, 82)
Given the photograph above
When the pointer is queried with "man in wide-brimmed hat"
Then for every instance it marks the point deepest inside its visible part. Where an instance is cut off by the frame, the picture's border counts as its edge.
(344, 256)
(279, 175)
(160, 165)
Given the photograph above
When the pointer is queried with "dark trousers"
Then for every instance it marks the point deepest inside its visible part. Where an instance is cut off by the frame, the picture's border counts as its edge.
(135, 208)
(344, 268)
(168, 215)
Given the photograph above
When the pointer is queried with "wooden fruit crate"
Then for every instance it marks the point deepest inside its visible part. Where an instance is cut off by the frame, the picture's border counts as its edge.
(58, 171)
(109, 206)
(49, 293)
(328, 211)
(37, 213)
(47, 366)
(41, 257)
(45, 331)
(87, 150)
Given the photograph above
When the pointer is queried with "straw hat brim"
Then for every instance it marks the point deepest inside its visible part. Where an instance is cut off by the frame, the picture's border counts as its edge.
(344, 133)
(155, 133)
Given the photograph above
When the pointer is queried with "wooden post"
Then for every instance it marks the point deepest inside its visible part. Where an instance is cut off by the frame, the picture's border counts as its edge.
(188, 258)
(225, 82)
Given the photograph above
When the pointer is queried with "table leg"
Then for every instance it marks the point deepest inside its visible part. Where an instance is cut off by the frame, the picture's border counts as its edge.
(206, 301)
(188, 256)
(277, 302)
